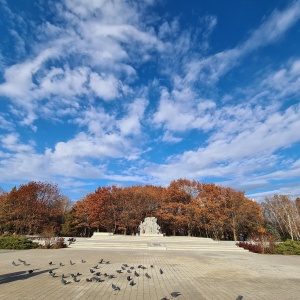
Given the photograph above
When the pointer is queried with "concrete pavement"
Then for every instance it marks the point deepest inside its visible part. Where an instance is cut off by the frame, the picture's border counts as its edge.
(211, 274)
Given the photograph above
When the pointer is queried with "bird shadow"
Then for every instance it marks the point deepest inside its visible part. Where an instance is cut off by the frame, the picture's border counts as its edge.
(20, 275)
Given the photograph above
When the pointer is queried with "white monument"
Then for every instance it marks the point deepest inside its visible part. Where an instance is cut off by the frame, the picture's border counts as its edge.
(149, 227)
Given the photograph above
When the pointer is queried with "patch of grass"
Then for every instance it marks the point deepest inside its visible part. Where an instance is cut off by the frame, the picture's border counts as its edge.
(16, 243)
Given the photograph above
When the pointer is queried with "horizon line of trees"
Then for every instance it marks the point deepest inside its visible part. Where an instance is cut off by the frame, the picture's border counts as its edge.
(185, 207)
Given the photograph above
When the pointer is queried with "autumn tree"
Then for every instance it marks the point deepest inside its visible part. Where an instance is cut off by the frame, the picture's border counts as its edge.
(33, 207)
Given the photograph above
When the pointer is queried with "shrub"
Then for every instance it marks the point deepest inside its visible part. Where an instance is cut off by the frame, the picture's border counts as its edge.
(256, 248)
(16, 243)
(288, 247)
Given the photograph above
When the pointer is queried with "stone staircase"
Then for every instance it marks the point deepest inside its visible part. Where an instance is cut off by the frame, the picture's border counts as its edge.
(179, 243)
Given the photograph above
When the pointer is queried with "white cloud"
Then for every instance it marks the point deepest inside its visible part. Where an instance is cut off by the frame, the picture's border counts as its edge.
(105, 87)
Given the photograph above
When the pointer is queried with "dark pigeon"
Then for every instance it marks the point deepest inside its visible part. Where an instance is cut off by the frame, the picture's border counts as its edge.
(147, 275)
(89, 279)
(161, 271)
(75, 279)
(61, 264)
(136, 274)
(14, 264)
(239, 297)
(30, 271)
(83, 261)
(132, 283)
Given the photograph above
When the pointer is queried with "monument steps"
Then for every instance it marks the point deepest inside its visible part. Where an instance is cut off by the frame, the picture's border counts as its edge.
(154, 243)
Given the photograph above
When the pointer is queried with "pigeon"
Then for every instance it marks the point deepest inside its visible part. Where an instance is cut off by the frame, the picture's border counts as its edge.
(131, 268)
(92, 271)
(123, 268)
(20, 260)
(136, 274)
(95, 267)
(52, 274)
(78, 274)
(111, 276)
(139, 266)
(147, 275)
(72, 263)
(14, 264)
(105, 274)
(98, 274)
(26, 264)
(132, 283)
(142, 267)
(125, 265)
(96, 279)
(128, 271)
(75, 279)
(51, 263)
(119, 271)
(115, 288)
(61, 264)
(63, 276)
(239, 297)
(64, 281)
(164, 298)
(30, 271)
(83, 261)
(89, 279)
(101, 261)
(152, 266)
(161, 271)
(129, 278)
(175, 294)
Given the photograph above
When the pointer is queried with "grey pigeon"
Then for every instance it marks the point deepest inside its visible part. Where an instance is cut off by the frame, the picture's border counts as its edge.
(108, 262)
(83, 261)
(125, 265)
(63, 276)
(95, 267)
(131, 268)
(123, 268)
(61, 264)
(52, 274)
(75, 279)
(147, 275)
(139, 266)
(119, 271)
(175, 294)
(64, 281)
(161, 271)
(89, 279)
(136, 274)
(98, 273)
(72, 263)
(92, 271)
(14, 264)
(239, 297)
(111, 276)
(128, 271)
(115, 288)
(144, 268)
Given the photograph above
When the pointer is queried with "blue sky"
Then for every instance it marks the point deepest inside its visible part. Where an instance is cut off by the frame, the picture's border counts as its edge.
(100, 92)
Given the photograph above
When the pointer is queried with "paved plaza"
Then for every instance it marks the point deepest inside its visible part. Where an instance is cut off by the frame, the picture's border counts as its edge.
(215, 273)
